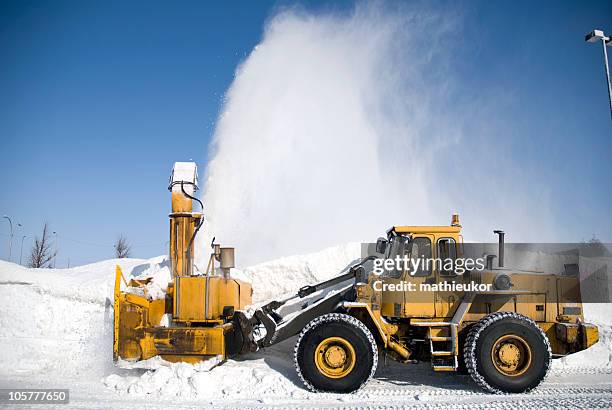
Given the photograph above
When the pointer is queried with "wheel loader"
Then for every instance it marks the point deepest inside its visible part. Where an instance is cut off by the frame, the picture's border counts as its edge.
(503, 330)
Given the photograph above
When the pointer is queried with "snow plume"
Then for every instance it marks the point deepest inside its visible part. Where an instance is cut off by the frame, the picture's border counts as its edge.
(339, 125)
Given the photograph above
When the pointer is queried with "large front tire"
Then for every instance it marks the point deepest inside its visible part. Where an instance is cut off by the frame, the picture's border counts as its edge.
(335, 353)
(506, 352)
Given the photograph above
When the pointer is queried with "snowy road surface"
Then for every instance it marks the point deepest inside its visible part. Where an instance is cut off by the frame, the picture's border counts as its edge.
(395, 386)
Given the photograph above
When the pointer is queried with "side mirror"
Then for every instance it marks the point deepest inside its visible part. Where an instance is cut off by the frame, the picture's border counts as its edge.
(381, 245)
(360, 275)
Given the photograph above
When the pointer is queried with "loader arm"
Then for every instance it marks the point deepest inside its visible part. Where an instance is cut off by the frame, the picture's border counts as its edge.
(279, 327)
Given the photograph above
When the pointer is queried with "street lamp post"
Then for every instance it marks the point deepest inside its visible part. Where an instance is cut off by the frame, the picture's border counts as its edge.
(10, 236)
(593, 37)
(21, 251)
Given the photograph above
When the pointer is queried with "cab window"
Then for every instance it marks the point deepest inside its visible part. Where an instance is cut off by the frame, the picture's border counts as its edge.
(447, 249)
(398, 246)
(421, 257)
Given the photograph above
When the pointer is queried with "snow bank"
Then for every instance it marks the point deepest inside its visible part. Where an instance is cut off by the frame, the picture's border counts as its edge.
(286, 275)
(59, 321)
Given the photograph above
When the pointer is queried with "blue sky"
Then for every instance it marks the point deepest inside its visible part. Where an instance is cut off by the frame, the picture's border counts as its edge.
(98, 99)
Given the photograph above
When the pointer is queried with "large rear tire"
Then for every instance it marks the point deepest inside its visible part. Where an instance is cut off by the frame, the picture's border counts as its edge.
(506, 352)
(335, 353)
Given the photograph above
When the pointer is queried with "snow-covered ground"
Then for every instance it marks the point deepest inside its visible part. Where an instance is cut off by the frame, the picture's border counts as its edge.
(56, 332)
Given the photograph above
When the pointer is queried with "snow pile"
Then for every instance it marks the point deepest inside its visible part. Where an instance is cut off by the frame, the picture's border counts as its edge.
(246, 379)
(159, 276)
(286, 275)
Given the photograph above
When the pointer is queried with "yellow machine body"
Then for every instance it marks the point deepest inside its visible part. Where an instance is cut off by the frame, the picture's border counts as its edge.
(194, 320)
(552, 301)
(220, 295)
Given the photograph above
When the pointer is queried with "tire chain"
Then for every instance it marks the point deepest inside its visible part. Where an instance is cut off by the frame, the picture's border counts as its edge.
(336, 317)
(469, 350)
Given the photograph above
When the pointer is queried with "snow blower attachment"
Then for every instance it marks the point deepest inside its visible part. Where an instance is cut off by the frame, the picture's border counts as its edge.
(194, 321)
(504, 335)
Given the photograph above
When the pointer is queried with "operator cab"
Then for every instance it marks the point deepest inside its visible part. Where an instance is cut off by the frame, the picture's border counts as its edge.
(418, 247)
(417, 243)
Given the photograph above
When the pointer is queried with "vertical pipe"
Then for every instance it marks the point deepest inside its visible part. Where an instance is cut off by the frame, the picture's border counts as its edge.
(21, 251)
(603, 43)
(10, 237)
(500, 258)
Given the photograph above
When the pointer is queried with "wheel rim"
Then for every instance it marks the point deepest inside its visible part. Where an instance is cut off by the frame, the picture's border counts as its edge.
(335, 357)
(511, 355)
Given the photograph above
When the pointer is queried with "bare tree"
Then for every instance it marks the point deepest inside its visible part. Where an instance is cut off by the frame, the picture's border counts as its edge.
(41, 254)
(122, 248)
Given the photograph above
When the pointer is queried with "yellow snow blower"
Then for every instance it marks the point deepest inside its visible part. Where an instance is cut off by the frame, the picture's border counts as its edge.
(502, 326)
(198, 307)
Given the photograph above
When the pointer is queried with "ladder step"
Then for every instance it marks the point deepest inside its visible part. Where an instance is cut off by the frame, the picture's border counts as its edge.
(442, 353)
(432, 324)
(444, 368)
(441, 365)
(440, 338)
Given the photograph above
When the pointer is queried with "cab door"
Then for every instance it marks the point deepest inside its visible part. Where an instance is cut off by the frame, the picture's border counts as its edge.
(392, 301)
(419, 303)
(447, 301)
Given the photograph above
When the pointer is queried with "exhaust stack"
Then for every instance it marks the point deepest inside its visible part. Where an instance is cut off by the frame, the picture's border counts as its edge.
(500, 259)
